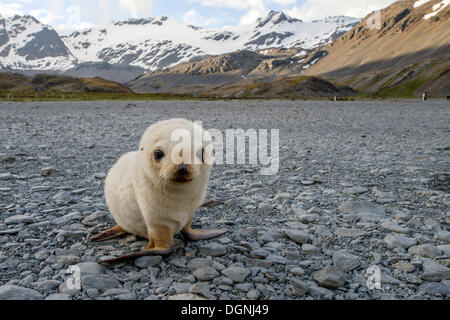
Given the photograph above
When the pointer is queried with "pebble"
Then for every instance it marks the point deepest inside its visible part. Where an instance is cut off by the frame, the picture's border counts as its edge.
(147, 261)
(205, 273)
(346, 261)
(99, 281)
(18, 219)
(399, 242)
(298, 236)
(237, 274)
(12, 292)
(213, 249)
(425, 250)
(434, 271)
(299, 288)
(331, 277)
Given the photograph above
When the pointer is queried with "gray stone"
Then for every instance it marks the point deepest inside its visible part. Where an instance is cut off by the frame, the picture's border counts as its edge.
(259, 254)
(147, 261)
(12, 292)
(434, 288)
(364, 210)
(399, 242)
(346, 261)
(92, 293)
(48, 285)
(434, 271)
(237, 274)
(100, 282)
(213, 249)
(6, 176)
(42, 255)
(300, 288)
(253, 294)
(444, 236)
(310, 249)
(331, 277)
(197, 263)
(404, 266)
(205, 273)
(67, 260)
(392, 226)
(425, 250)
(58, 297)
(356, 190)
(200, 288)
(98, 217)
(298, 236)
(349, 233)
(297, 271)
(90, 268)
(19, 219)
(186, 297)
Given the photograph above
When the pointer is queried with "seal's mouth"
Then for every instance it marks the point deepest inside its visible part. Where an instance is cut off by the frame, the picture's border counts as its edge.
(181, 180)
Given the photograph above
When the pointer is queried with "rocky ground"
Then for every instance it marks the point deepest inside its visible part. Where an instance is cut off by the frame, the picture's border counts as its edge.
(361, 184)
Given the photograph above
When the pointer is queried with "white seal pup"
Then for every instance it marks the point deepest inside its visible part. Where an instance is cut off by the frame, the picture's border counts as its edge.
(155, 191)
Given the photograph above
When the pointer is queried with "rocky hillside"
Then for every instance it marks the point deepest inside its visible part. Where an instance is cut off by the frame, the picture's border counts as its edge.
(231, 68)
(12, 82)
(410, 53)
(27, 44)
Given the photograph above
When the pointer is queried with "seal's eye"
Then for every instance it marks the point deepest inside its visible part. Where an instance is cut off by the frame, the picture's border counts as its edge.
(201, 155)
(159, 154)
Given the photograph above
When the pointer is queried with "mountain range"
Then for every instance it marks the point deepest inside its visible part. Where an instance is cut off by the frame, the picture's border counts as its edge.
(406, 52)
(138, 45)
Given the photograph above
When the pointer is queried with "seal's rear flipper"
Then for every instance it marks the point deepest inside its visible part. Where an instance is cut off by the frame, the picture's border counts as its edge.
(113, 233)
(198, 235)
(147, 252)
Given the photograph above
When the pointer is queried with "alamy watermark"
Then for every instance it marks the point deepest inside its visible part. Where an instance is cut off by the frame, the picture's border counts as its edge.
(234, 146)
(373, 275)
(74, 281)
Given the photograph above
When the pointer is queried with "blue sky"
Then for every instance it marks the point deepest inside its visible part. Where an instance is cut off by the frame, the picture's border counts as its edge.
(66, 15)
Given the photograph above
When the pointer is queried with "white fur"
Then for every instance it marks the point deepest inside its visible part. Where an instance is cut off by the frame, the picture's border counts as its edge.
(138, 190)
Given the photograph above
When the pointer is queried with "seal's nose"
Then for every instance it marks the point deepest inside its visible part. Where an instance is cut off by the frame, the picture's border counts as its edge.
(182, 170)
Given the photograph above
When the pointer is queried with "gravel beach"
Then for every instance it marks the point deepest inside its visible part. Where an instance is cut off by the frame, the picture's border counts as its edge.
(361, 198)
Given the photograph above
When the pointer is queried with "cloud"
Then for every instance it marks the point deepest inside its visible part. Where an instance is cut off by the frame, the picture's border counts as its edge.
(283, 2)
(10, 9)
(137, 8)
(253, 14)
(231, 4)
(318, 9)
(194, 18)
(63, 20)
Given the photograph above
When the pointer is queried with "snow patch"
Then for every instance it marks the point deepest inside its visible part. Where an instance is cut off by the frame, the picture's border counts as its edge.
(420, 3)
(437, 8)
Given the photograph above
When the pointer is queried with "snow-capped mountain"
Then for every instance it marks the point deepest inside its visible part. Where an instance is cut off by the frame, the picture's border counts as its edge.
(158, 43)
(153, 43)
(27, 44)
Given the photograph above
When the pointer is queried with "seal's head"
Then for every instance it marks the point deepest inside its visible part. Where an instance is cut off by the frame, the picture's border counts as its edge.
(176, 152)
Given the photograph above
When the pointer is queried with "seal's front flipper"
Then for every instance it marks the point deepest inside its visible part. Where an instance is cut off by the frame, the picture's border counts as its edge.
(113, 233)
(197, 235)
(147, 252)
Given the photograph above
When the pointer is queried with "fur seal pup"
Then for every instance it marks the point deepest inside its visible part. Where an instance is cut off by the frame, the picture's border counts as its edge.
(154, 192)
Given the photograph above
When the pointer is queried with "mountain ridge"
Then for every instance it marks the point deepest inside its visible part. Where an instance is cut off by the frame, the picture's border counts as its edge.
(153, 43)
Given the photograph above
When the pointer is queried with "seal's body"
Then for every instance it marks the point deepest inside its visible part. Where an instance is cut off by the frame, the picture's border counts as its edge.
(155, 191)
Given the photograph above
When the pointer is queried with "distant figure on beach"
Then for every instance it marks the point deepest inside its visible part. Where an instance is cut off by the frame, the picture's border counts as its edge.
(424, 96)
(335, 98)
